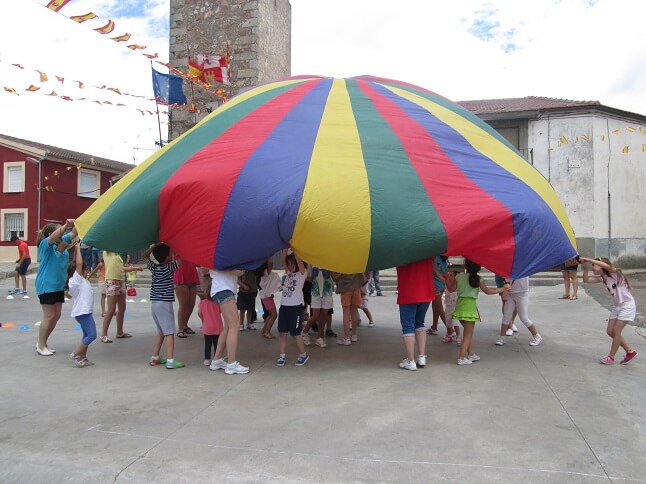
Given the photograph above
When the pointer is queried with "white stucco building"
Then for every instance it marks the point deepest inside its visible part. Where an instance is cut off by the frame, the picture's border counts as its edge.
(595, 158)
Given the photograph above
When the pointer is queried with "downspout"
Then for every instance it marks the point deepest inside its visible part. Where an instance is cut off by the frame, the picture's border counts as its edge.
(608, 187)
(549, 152)
(39, 162)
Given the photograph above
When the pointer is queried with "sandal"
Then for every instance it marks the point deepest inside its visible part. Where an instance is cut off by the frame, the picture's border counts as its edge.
(124, 335)
(565, 296)
(181, 334)
(268, 335)
(188, 330)
(573, 298)
(105, 339)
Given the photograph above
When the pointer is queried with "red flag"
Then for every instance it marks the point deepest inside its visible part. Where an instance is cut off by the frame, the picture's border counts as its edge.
(106, 29)
(57, 5)
(61, 79)
(43, 76)
(82, 18)
(81, 84)
(11, 90)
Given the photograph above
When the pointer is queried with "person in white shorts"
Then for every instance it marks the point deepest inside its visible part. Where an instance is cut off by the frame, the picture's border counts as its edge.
(322, 302)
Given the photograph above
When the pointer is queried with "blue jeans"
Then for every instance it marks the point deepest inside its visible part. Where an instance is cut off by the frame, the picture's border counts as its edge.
(374, 283)
(411, 317)
(88, 326)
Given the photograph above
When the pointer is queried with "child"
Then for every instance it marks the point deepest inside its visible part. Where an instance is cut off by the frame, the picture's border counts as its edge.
(269, 284)
(321, 303)
(209, 312)
(82, 302)
(100, 269)
(247, 299)
(440, 265)
(518, 303)
(450, 299)
(349, 286)
(500, 282)
(162, 295)
(364, 302)
(623, 308)
(469, 284)
(291, 307)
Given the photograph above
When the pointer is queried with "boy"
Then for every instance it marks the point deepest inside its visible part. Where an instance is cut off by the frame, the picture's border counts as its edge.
(291, 308)
(162, 296)
(22, 264)
(247, 292)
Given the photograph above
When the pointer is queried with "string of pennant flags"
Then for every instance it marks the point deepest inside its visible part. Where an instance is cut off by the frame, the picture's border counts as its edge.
(564, 140)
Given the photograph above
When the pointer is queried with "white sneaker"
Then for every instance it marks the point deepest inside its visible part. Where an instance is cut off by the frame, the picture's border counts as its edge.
(421, 361)
(509, 332)
(514, 328)
(354, 338)
(371, 324)
(465, 361)
(306, 340)
(343, 341)
(320, 342)
(536, 341)
(500, 342)
(236, 368)
(218, 364)
(473, 357)
(406, 364)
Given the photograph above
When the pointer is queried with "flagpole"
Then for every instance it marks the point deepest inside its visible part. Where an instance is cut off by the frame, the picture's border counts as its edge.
(161, 145)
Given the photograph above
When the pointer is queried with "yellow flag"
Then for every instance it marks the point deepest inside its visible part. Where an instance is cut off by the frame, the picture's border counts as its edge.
(630, 129)
(564, 140)
(585, 137)
(616, 131)
(626, 149)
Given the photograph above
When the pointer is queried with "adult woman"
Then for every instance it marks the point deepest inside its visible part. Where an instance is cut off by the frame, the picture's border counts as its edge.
(53, 259)
(186, 281)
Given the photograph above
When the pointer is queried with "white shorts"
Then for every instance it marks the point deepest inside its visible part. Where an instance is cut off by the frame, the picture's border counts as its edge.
(322, 302)
(624, 311)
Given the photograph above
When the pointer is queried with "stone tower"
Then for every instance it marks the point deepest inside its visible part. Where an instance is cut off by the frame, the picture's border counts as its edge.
(259, 35)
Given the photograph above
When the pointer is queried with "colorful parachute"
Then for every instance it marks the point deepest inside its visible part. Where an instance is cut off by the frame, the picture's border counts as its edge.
(355, 174)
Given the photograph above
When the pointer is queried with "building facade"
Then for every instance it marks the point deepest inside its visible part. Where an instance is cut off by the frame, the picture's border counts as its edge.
(42, 184)
(595, 158)
(258, 33)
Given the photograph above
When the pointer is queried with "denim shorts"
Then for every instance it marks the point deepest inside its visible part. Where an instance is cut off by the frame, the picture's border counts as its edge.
(222, 297)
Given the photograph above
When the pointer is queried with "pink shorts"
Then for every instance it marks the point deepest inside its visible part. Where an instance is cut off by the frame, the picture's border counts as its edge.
(113, 287)
(269, 303)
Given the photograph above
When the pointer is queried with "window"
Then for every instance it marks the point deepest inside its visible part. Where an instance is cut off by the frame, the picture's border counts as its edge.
(14, 177)
(13, 222)
(89, 183)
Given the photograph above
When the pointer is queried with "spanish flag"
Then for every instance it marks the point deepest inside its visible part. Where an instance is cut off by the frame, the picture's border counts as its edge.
(122, 38)
(57, 5)
(82, 18)
(106, 29)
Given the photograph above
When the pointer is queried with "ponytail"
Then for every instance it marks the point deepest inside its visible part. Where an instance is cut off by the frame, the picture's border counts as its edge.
(472, 269)
(45, 232)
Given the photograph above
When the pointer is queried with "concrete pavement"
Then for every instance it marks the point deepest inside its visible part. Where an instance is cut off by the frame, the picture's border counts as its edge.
(538, 414)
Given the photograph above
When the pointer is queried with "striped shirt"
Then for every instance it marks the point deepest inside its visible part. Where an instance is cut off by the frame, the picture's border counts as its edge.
(162, 287)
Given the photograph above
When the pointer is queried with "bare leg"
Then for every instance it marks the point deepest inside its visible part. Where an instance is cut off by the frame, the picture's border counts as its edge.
(183, 294)
(121, 312)
(574, 280)
(409, 345)
(566, 281)
(465, 349)
(346, 321)
(282, 343)
(420, 338)
(615, 327)
(230, 320)
(51, 315)
(109, 312)
(170, 345)
(354, 312)
(157, 343)
(299, 344)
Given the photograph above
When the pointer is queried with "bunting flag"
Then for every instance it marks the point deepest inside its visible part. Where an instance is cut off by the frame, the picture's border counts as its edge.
(136, 47)
(57, 5)
(564, 140)
(81, 84)
(122, 38)
(168, 88)
(43, 76)
(151, 56)
(32, 88)
(61, 79)
(106, 29)
(626, 149)
(83, 18)
(11, 90)
(18, 66)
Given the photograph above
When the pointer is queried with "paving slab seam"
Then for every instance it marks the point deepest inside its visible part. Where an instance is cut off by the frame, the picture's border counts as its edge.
(604, 477)
(567, 413)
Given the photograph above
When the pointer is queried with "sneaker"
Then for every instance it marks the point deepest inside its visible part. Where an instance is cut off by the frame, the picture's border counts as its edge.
(13, 291)
(44, 352)
(458, 341)
(73, 355)
(473, 357)
(509, 332)
(406, 364)
(607, 360)
(235, 368)
(431, 330)
(251, 327)
(218, 364)
(206, 362)
(280, 361)
(421, 361)
(24, 294)
(371, 324)
(448, 338)
(330, 334)
(320, 342)
(628, 357)
(514, 328)
(242, 327)
(536, 340)
(79, 362)
(464, 361)
(160, 360)
(344, 341)
(354, 338)
(500, 342)
(170, 365)
(306, 340)
(87, 362)
(302, 359)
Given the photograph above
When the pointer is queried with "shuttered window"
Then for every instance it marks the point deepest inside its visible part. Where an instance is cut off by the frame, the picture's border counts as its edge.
(14, 224)
(14, 177)
(89, 183)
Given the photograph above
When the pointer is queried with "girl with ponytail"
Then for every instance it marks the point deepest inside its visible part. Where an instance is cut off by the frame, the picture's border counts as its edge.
(469, 284)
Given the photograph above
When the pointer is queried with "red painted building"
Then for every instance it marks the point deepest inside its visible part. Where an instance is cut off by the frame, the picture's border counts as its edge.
(42, 184)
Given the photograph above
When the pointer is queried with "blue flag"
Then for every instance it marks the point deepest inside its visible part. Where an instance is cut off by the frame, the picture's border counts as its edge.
(168, 88)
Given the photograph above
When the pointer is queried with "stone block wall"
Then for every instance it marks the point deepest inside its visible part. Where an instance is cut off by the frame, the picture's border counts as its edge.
(259, 34)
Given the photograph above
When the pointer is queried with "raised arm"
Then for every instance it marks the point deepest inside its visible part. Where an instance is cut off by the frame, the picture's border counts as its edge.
(79, 259)
(593, 279)
(56, 235)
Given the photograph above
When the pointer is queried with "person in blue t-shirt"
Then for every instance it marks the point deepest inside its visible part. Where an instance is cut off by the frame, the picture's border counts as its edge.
(53, 259)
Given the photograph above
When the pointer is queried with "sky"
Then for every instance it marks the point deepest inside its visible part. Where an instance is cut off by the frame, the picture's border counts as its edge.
(463, 50)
